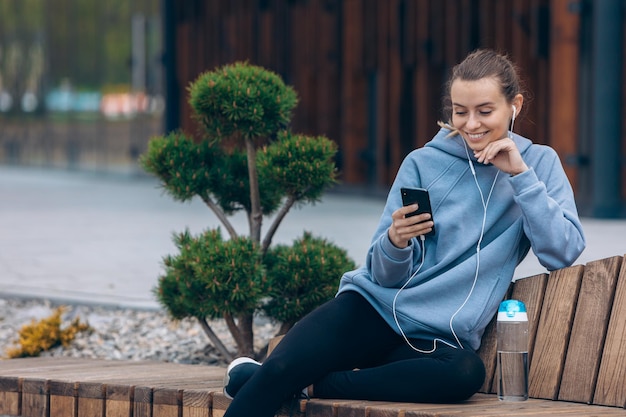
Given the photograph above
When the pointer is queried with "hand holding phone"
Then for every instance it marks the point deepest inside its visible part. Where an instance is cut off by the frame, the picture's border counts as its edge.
(421, 197)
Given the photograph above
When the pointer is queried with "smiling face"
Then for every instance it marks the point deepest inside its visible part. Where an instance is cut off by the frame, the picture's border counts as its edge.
(480, 111)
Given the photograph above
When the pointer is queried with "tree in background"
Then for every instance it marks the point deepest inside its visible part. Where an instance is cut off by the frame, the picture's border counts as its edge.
(247, 160)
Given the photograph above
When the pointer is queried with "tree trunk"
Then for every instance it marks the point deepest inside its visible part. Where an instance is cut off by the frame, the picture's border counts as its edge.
(247, 335)
(215, 340)
(256, 216)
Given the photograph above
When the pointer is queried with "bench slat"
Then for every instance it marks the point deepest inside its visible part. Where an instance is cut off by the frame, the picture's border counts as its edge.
(612, 376)
(487, 353)
(555, 321)
(480, 405)
(10, 389)
(166, 402)
(63, 399)
(35, 397)
(593, 309)
(90, 399)
(196, 402)
(119, 400)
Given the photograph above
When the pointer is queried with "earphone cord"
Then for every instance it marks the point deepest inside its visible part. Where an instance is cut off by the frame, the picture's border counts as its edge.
(485, 204)
(480, 239)
(395, 316)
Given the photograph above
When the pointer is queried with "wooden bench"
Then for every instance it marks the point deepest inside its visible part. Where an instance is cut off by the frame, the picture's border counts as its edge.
(577, 367)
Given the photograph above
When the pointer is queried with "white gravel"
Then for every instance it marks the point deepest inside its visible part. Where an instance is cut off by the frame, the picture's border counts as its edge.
(125, 334)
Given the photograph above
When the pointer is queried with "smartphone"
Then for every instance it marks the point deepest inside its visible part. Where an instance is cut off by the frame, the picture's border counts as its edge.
(421, 197)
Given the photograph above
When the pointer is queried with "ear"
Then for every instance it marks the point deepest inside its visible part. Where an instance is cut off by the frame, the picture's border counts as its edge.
(518, 102)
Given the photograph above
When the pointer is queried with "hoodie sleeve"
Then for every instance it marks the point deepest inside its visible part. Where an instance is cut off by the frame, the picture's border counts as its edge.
(388, 265)
(549, 214)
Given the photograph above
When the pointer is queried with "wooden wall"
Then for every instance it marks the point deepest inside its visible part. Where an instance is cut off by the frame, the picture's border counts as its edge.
(369, 73)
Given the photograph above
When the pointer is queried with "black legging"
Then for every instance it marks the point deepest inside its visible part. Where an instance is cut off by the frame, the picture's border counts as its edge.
(348, 351)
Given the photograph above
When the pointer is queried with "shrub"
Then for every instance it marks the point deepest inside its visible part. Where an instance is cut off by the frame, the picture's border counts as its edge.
(246, 159)
(46, 334)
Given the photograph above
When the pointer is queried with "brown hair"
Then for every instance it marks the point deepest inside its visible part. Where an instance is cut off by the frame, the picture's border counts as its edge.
(484, 63)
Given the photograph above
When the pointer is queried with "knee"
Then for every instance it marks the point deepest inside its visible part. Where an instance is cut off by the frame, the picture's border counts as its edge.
(274, 368)
(470, 376)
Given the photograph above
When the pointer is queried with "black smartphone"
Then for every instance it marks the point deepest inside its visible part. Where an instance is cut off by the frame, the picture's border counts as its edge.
(421, 197)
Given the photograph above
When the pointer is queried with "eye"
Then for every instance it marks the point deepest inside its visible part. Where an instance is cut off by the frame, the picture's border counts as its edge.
(485, 112)
(460, 113)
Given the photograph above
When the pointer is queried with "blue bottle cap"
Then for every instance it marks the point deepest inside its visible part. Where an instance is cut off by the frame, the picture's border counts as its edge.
(512, 310)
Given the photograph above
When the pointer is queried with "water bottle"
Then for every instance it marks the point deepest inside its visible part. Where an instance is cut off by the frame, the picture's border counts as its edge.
(512, 345)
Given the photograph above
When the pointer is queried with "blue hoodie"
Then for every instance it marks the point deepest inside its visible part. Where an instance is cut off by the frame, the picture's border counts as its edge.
(533, 209)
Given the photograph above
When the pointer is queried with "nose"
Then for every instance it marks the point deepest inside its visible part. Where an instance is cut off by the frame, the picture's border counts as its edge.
(472, 122)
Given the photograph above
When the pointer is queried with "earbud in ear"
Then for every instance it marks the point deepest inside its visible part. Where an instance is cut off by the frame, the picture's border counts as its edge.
(514, 112)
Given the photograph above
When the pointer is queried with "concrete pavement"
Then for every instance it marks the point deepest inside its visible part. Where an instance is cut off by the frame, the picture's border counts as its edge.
(97, 238)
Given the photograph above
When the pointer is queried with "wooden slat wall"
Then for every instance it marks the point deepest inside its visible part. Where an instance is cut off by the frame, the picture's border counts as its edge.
(369, 73)
(589, 330)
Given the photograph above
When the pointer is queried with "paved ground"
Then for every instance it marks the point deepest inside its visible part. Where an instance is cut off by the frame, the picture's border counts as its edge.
(95, 238)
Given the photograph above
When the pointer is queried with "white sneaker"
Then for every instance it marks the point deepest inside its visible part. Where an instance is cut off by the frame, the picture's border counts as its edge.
(237, 374)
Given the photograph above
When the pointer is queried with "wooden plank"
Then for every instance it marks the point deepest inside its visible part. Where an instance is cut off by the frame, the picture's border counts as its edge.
(38, 365)
(63, 399)
(487, 353)
(91, 399)
(421, 85)
(10, 396)
(555, 322)
(389, 149)
(589, 330)
(274, 341)
(363, 408)
(531, 291)
(167, 402)
(378, 94)
(323, 408)
(118, 399)
(142, 404)
(353, 92)
(219, 404)
(612, 375)
(196, 403)
(477, 406)
(298, 65)
(35, 393)
(264, 45)
(382, 409)
(563, 99)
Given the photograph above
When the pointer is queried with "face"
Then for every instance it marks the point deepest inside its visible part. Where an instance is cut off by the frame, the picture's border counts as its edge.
(480, 111)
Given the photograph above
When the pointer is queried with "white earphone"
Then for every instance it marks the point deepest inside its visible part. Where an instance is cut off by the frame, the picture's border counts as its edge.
(514, 113)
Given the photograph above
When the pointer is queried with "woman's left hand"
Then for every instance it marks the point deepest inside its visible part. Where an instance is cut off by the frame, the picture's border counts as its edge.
(504, 155)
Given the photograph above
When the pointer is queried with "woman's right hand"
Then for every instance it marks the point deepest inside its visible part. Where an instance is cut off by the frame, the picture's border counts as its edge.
(403, 228)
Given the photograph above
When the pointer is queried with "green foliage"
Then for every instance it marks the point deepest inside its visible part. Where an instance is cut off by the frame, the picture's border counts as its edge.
(302, 276)
(211, 277)
(244, 99)
(187, 169)
(293, 165)
(302, 166)
(46, 334)
(182, 166)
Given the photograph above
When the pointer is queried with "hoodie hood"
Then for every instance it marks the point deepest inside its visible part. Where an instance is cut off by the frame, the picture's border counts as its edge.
(456, 146)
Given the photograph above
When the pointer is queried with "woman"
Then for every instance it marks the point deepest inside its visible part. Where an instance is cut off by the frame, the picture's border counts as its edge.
(406, 325)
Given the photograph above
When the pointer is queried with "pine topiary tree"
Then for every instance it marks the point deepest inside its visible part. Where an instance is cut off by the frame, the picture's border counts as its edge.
(247, 159)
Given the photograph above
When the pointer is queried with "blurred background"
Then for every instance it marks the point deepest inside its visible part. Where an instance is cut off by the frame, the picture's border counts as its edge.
(84, 84)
